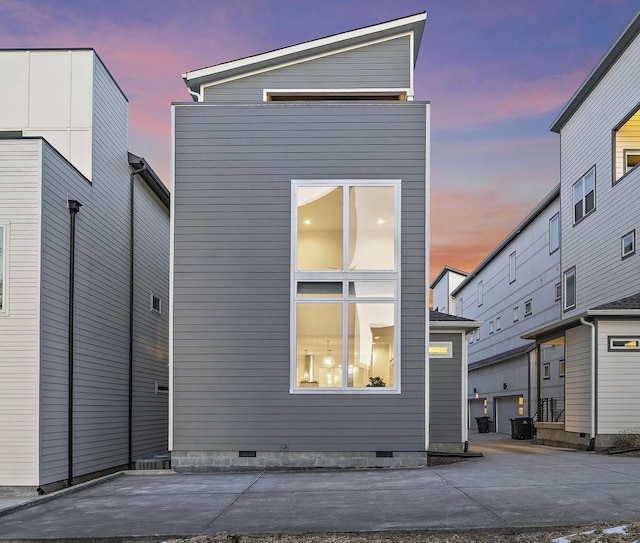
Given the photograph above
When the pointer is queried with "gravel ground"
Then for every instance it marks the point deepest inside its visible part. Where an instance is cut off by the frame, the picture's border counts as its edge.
(600, 533)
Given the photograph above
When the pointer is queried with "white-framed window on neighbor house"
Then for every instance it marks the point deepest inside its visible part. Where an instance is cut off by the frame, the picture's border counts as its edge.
(512, 267)
(345, 286)
(561, 367)
(480, 293)
(624, 343)
(554, 233)
(516, 314)
(558, 288)
(569, 289)
(628, 244)
(492, 327)
(626, 145)
(584, 195)
(498, 324)
(546, 371)
(528, 308)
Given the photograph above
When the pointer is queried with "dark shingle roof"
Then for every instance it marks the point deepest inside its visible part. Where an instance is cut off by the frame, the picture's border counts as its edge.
(437, 316)
(630, 302)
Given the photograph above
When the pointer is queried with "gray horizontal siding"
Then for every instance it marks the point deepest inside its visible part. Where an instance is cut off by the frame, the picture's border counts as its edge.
(445, 390)
(232, 223)
(381, 65)
(150, 328)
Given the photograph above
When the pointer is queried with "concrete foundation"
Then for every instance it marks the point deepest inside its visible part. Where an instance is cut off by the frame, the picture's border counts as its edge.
(206, 461)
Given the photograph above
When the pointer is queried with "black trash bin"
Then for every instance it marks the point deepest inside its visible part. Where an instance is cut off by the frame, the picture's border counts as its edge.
(483, 425)
(522, 428)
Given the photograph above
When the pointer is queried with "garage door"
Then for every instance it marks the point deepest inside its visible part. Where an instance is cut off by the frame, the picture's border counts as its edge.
(476, 409)
(506, 408)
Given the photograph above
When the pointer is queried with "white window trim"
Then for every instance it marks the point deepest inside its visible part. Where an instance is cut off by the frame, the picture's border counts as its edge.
(345, 276)
(546, 370)
(151, 308)
(437, 346)
(633, 250)
(570, 272)
(480, 293)
(582, 180)
(512, 267)
(498, 324)
(623, 349)
(356, 92)
(626, 153)
(555, 219)
(530, 303)
(516, 313)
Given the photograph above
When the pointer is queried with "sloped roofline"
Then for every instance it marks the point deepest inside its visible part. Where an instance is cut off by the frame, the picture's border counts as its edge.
(194, 78)
(531, 216)
(442, 273)
(596, 75)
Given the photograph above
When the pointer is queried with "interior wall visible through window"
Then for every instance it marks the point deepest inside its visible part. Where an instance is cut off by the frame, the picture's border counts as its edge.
(626, 146)
(345, 288)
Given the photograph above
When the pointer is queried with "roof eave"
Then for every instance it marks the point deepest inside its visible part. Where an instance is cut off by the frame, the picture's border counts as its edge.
(600, 70)
(193, 79)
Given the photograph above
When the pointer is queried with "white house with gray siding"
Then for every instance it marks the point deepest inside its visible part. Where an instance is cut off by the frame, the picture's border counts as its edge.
(84, 339)
(300, 258)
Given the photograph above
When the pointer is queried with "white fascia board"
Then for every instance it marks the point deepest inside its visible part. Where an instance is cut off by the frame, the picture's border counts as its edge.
(454, 326)
(293, 62)
(303, 47)
(614, 312)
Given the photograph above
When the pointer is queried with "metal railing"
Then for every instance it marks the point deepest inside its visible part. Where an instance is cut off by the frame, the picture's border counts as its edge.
(550, 410)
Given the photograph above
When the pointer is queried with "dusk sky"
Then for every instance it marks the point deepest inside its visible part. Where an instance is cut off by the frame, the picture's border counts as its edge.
(497, 72)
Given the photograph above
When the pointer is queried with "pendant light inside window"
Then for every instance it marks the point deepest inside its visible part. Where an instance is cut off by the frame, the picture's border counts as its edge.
(327, 361)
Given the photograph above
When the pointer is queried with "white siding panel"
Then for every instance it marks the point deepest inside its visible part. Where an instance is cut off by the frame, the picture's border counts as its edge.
(593, 245)
(20, 170)
(578, 379)
(618, 380)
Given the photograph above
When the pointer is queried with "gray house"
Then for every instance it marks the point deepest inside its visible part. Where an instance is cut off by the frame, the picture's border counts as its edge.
(300, 258)
(84, 258)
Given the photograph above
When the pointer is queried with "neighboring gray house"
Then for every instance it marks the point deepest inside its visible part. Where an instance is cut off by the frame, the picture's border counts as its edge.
(300, 258)
(443, 285)
(63, 144)
(513, 289)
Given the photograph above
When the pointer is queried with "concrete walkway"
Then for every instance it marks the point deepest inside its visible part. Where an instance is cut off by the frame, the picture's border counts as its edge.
(515, 484)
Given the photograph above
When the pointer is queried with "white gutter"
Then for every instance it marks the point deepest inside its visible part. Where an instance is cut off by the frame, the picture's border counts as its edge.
(593, 380)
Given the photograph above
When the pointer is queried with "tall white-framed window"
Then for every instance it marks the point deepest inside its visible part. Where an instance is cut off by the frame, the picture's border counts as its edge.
(3, 270)
(554, 233)
(345, 287)
(512, 267)
(584, 195)
(498, 324)
(480, 293)
(569, 289)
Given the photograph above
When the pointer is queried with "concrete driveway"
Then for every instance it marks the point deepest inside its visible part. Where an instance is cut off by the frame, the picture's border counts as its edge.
(515, 484)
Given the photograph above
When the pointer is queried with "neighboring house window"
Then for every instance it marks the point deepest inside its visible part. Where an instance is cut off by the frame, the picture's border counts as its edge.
(628, 244)
(558, 292)
(624, 343)
(345, 256)
(480, 293)
(546, 371)
(512, 267)
(626, 148)
(554, 233)
(562, 365)
(156, 303)
(2, 269)
(440, 349)
(516, 314)
(491, 327)
(569, 279)
(528, 308)
(498, 324)
(459, 307)
(584, 195)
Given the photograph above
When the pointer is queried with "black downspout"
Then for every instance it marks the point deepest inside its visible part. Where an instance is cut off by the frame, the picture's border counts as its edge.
(131, 294)
(74, 207)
